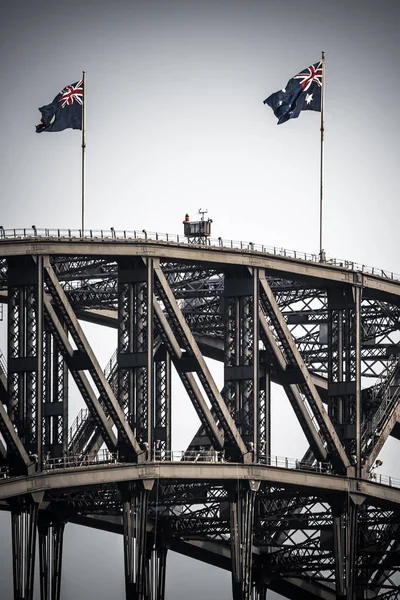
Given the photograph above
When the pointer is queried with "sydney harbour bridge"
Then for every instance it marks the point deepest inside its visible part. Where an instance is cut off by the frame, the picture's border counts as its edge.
(326, 331)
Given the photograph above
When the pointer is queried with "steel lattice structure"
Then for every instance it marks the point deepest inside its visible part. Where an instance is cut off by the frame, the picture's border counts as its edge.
(328, 334)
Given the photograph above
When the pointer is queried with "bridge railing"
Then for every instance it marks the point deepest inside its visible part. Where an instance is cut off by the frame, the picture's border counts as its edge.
(104, 457)
(76, 460)
(81, 416)
(124, 235)
(188, 456)
(4, 472)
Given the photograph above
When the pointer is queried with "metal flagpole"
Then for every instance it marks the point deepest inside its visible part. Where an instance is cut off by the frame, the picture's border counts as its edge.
(321, 173)
(83, 149)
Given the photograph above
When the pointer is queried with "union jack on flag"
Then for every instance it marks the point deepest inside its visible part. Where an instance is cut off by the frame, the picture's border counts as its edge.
(65, 112)
(302, 92)
(72, 93)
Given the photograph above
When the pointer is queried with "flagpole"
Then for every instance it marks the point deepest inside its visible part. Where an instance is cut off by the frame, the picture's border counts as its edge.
(83, 149)
(321, 173)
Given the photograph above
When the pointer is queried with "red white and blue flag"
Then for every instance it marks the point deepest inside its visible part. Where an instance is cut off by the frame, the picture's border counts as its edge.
(65, 112)
(302, 92)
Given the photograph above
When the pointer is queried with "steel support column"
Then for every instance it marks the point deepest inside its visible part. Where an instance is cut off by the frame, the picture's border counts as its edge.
(135, 498)
(359, 416)
(55, 398)
(24, 517)
(241, 349)
(259, 593)
(264, 415)
(25, 331)
(345, 536)
(162, 400)
(135, 347)
(241, 504)
(156, 573)
(51, 534)
(344, 356)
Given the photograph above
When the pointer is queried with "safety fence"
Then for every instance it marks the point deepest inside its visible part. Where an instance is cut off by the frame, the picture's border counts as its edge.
(144, 235)
(104, 457)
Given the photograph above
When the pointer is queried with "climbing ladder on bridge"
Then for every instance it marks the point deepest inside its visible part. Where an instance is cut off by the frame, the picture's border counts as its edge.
(387, 395)
(81, 439)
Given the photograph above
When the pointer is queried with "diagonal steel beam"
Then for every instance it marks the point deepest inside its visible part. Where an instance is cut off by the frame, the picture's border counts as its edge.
(7, 429)
(76, 332)
(88, 394)
(293, 394)
(11, 437)
(306, 385)
(186, 339)
(3, 451)
(385, 430)
(188, 380)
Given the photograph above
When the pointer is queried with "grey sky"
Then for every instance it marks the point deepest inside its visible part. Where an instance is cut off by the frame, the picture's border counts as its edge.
(175, 121)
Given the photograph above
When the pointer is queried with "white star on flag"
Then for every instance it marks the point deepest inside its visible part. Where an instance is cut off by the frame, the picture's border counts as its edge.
(309, 98)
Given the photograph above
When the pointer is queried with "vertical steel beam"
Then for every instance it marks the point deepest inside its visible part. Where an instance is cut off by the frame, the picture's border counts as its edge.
(51, 535)
(23, 345)
(345, 543)
(338, 549)
(23, 525)
(157, 565)
(259, 593)
(135, 346)
(135, 498)
(241, 503)
(55, 398)
(357, 298)
(255, 399)
(162, 403)
(150, 349)
(241, 354)
(264, 415)
(351, 549)
(40, 362)
(344, 338)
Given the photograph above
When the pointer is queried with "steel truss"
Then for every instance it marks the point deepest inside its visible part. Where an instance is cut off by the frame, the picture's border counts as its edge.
(316, 335)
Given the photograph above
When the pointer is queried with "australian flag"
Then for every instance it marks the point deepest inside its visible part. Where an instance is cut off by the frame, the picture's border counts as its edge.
(65, 112)
(302, 92)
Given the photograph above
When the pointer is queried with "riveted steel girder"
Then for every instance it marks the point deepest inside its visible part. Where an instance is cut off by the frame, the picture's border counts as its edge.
(87, 354)
(305, 384)
(185, 310)
(189, 344)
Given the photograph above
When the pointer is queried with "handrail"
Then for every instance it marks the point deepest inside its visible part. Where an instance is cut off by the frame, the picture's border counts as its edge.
(144, 235)
(81, 416)
(215, 456)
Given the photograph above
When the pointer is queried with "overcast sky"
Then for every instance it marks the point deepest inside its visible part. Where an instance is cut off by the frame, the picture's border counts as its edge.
(175, 122)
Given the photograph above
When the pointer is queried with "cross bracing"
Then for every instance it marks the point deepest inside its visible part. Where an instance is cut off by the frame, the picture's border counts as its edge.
(316, 527)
